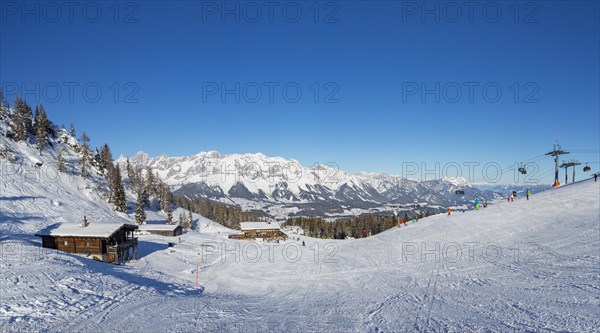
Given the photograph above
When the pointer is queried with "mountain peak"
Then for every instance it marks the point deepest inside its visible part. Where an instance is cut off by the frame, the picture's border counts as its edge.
(457, 181)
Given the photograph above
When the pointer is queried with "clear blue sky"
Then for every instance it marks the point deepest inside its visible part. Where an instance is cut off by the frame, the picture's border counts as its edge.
(371, 53)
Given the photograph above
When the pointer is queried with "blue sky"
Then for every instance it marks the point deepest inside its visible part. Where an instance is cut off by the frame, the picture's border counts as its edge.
(157, 65)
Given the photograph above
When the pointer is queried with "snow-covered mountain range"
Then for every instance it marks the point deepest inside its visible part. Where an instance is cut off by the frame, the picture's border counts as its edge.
(281, 187)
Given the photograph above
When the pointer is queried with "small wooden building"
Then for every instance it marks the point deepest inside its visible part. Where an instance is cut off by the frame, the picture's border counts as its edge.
(106, 242)
(264, 230)
(162, 229)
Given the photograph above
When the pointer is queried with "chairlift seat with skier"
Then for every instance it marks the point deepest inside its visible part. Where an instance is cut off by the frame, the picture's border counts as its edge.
(586, 168)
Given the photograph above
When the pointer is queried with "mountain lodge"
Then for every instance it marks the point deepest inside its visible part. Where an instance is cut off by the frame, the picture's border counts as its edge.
(260, 230)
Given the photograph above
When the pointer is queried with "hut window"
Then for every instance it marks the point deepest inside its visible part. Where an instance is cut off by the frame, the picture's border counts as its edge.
(87, 244)
(66, 243)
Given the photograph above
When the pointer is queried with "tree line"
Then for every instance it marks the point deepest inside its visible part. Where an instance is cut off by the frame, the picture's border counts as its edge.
(228, 216)
(358, 227)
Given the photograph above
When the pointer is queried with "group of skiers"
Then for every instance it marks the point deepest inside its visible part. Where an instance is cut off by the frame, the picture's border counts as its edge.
(511, 198)
(513, 195)
(485, 204)
(477, 206)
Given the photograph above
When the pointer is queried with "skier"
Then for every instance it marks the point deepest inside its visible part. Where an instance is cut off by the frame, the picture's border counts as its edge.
(485, 203)
(595, 177)
(449, 211)
(512, 198)
(528, 194)
(303, 244)
(477, 203)
(508, 198)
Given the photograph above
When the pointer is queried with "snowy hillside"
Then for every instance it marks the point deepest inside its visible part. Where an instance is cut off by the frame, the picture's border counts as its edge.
(33, 189)
(522, 266)
(283, 187)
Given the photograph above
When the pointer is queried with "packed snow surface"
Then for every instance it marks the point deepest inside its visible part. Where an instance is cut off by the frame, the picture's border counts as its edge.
(530, 265)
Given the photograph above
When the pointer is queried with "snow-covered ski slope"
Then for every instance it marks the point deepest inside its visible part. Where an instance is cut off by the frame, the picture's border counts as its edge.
(523, 266)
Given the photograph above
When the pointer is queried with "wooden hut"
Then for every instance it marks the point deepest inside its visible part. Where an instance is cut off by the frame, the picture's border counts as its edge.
(162, 229)
(264, 230)
(106, 242)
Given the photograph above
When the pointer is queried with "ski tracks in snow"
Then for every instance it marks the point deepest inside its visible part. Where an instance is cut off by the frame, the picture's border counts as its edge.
(424, 312)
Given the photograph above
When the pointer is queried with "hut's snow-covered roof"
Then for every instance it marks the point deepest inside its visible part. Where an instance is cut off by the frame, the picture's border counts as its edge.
(259, 225)
(96, 230)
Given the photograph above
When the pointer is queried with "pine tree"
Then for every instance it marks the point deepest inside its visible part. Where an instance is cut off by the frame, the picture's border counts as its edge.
(97, 157)
(61, 162)
(129, 168)
(169, 213)
(84, 164)
(190, 220)
(21, 120)
(139, 180)
(150, 182)
(72, 130)
(119, 192)
(41, 123)
(36, 115)
(131, 174)
(85, 138)
(3, 103)
(106, 161)
(27, 119)
(182, 219)
(145, 198)
(16, 125)
(140, 215)
(86, 155)
(161, 194)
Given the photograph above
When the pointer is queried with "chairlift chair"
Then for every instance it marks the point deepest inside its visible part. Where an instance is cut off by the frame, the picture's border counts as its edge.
(459, 192)
(522, 169)
(586, 168)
